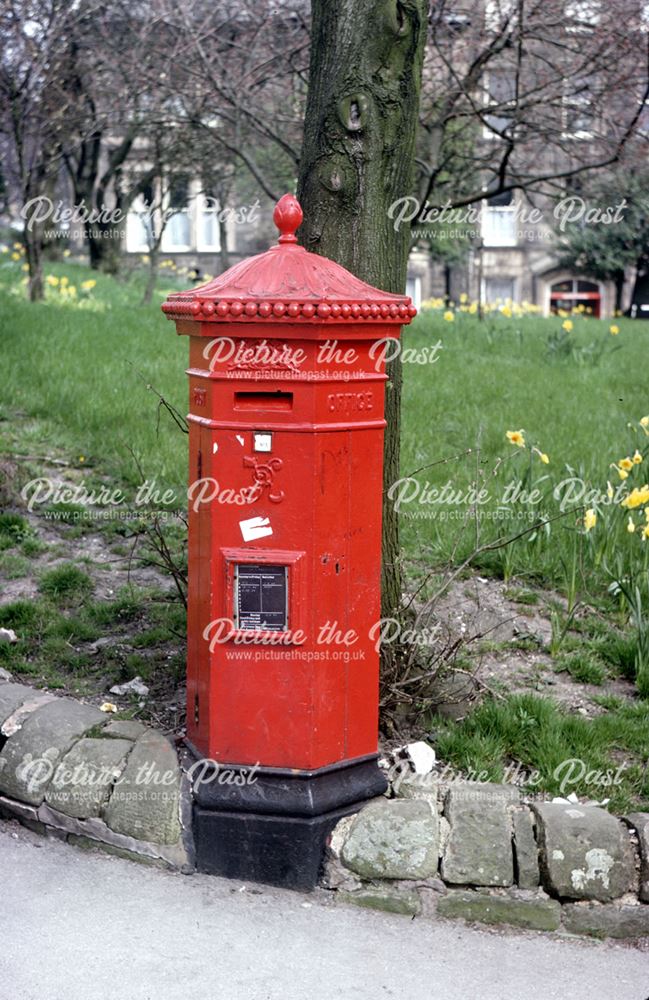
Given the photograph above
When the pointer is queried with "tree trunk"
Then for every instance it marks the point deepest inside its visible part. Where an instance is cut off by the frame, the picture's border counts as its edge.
(619, 290)
(357, 159)
(104, 248)
(152, 276)
(224, 254)
(34, 258)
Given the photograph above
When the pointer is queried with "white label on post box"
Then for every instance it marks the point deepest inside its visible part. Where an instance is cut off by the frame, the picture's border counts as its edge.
(255, 527)
(263, 441)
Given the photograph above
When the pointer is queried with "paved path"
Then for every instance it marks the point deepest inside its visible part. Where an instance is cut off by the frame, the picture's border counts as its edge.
(83, 926)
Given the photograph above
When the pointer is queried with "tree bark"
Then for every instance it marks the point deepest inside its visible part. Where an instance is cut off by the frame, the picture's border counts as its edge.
(357, 159)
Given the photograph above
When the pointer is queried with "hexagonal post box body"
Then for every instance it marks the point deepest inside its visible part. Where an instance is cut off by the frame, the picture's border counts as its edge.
(287, 380)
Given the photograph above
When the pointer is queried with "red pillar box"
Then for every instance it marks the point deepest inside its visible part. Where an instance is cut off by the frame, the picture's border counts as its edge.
(286, 387)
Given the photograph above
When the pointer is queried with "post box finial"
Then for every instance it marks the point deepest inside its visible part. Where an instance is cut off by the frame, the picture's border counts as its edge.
(288, 217)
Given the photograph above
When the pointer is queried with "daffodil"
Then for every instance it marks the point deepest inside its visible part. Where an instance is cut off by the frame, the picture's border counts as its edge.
(52, 280)
(567, 325)
(15, 256)
(630, 525)
(644, 423)
(623, 474)
(614, 329)
(449, 316)
(609, 491)
(506, 311)
(544, 458)
(626, 464)
(590, 519)
(464, 297)
(636, 498)
(637, 458)
(517, 438)
(645, 532)
(88, 285)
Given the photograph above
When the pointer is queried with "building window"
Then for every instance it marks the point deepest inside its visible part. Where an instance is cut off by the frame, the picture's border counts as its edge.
(139, 227)
(578, 118)
(177, 232)
(498, 290)
(499, 220)
(209, 234)
(582, 15)
(500, 93)
(575, 293)
(413, 289)
(498, 14)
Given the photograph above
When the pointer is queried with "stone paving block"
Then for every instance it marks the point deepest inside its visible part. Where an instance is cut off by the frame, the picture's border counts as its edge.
(540, 914)
(83, 780)
(128, 729)
(15, 721)
(29, 758)
(585, 852)
(393, 839)
(526, 850)
(12, 696)
(640, 823)
(383, 898)
(479, 846)
(145, 802)
(602, 921)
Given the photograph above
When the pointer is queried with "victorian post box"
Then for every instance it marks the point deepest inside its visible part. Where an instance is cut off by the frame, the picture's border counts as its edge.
(287, 382)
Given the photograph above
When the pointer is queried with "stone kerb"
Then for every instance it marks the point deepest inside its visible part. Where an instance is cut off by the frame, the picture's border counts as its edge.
(67, 769)
(480, 852)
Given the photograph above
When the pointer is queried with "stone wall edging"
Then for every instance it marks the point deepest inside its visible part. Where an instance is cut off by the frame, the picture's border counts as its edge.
(43, 738)
(485, 854)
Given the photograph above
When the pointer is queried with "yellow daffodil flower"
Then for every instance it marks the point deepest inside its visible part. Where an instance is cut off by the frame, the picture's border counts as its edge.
(567, 325)
(88, 285)
(449, 316)
(626, 464)
(636, 498)
(637, 458)
(630, 525)
(614, 329)
(609, 491)
(590, 519)
(516, 437)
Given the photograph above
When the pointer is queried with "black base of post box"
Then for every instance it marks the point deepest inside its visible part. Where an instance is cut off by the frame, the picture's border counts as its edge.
(274, 827)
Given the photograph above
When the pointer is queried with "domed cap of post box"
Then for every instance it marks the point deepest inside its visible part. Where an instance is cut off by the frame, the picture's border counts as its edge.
(287, 283)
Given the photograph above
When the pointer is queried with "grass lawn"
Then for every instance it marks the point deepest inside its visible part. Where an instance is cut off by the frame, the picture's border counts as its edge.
(75, 386)
(81, 371)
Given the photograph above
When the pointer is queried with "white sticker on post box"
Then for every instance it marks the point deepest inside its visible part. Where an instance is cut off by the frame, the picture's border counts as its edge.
(255, 527)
